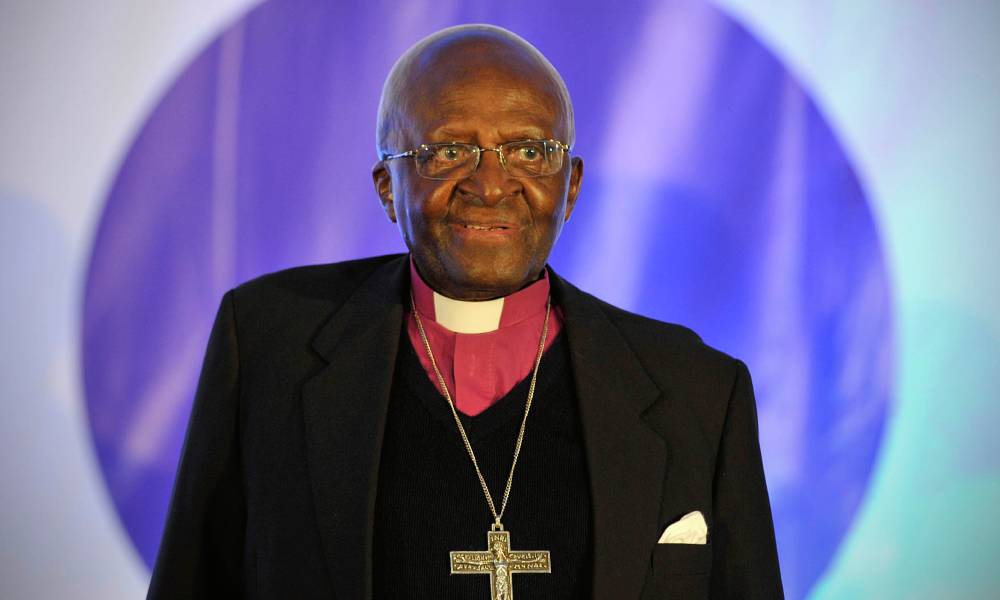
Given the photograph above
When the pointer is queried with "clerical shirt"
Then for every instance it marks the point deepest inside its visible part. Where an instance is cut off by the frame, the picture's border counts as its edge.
(483, 349)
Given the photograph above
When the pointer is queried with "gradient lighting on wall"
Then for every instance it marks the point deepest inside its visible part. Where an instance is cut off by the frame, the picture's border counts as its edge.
(715, 195)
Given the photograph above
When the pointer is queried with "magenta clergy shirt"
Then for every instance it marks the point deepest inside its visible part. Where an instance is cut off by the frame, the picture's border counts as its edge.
(481, 368)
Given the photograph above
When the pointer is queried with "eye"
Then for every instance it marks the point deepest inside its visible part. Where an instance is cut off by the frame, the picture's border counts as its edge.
(449, 153)
(529, 153)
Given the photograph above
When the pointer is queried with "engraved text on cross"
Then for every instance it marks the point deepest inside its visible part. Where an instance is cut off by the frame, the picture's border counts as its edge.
(500, 563)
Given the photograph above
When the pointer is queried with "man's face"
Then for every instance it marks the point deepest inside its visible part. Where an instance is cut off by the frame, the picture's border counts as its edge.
(490, 234)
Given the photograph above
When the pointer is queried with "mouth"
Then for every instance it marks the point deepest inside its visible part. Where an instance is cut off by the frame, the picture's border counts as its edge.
(485, 230)
(490, 227)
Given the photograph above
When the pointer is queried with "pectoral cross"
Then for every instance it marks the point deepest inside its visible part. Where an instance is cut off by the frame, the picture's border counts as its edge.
(500, 563)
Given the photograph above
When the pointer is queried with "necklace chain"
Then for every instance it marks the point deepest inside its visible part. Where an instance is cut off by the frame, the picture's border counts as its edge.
(461, 430)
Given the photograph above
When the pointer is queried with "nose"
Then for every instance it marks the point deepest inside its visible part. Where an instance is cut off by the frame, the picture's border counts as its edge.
(490, 183)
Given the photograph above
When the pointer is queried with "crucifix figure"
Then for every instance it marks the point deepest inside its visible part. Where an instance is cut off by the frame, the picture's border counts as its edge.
(500, 563)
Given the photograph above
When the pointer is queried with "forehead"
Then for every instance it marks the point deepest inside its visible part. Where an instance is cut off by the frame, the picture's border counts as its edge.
(484, 86)
(487, 100)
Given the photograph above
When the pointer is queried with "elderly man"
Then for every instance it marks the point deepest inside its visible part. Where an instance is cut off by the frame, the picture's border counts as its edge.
(460, 422)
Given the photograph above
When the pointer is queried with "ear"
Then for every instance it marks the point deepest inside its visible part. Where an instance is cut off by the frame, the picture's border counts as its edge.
(383, 187)
(575, 179)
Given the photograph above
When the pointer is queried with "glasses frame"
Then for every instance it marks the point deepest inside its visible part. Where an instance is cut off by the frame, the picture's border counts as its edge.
(479, 155)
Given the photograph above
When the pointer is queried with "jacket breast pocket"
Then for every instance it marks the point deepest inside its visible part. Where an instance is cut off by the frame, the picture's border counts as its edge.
(679, 571)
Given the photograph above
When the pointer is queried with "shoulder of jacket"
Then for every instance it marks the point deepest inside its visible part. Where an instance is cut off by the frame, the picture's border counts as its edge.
(302, 294)
(665, 347)
(322, 281)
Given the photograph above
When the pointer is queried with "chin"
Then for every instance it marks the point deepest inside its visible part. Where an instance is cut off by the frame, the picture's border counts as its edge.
(495, 279)
(479, 274)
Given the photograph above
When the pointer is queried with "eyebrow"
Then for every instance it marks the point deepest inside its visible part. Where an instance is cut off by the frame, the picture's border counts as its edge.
(445, 134)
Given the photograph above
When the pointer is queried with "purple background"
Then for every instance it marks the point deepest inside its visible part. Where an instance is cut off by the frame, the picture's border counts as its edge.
(715, 195)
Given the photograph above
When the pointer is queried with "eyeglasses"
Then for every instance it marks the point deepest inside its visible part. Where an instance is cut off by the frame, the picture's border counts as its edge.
(455, 160)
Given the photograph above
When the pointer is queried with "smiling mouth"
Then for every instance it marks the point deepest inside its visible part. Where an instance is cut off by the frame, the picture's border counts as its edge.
(486, 231)
(485, 227)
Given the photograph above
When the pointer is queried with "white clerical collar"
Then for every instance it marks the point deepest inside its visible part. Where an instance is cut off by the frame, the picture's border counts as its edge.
(462, 316)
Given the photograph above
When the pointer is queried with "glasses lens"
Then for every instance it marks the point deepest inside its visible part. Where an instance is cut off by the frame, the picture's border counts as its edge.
(533, 158)
(446, 161)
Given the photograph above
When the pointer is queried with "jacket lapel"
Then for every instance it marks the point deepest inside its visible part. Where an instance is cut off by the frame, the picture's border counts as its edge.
(626, 457)
(345, 407)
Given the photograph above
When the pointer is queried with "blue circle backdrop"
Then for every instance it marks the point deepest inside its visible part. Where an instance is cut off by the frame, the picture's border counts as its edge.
(715, 195)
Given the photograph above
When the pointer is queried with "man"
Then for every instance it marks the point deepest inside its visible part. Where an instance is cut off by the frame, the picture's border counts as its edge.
(460, 422)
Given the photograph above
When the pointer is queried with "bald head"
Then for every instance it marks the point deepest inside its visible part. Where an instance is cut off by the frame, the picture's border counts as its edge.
(461, 55)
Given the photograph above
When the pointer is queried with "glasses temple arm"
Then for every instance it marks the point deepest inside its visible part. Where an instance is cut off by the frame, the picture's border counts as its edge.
(388, 156)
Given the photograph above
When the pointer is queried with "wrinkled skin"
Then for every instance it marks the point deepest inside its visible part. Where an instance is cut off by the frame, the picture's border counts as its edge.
(490, 234)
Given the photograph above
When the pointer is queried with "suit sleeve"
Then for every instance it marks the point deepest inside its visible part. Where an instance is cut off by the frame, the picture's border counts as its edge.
(201, 551)
(745, 553)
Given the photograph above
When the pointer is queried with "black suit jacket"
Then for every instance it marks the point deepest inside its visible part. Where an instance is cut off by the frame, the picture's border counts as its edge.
(275, 492)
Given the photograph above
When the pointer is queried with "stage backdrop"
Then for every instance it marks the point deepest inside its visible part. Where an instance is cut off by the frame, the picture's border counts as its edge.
(809, 189)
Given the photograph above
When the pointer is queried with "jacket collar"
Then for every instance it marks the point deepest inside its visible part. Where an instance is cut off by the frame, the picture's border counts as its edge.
(626, 458)
(345, 408)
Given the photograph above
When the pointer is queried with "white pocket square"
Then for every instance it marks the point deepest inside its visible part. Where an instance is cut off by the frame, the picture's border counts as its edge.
(689, 529)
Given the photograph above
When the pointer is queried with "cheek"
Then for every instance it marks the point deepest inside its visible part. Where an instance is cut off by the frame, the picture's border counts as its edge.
(426, 205)
(547, 202)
